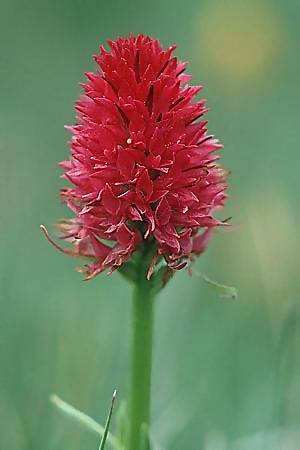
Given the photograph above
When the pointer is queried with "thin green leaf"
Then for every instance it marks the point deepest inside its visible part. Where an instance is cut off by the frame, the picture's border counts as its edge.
(224, 291)
(85, 420)
(105, 435)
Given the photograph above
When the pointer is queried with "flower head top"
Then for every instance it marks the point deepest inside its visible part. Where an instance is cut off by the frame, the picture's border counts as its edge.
(142, 165)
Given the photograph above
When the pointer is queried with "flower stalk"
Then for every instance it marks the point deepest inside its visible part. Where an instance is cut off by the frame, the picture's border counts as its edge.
(141, 360)
(139, 403)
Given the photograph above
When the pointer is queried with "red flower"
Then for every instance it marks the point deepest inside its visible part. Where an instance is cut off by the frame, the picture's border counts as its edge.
(142, 164)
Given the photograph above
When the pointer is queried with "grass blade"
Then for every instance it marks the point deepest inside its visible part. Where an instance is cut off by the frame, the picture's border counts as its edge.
(85, 420)
(224, 291)
(106, 430)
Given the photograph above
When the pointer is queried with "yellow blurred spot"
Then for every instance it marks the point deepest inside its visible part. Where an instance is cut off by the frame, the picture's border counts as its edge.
(129, 141)
(275, 237)
(238, 39)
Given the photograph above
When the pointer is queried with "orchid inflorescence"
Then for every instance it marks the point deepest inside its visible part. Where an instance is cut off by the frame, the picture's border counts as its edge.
(143, 166)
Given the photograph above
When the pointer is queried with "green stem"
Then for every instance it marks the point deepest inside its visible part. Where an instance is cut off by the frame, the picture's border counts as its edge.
(141, 362)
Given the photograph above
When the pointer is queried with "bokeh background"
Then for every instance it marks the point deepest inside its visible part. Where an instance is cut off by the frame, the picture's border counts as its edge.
(226, 373)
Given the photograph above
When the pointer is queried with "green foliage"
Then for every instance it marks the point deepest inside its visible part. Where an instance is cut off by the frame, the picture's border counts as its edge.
(107, 424)
(90, 423)
(228, 292)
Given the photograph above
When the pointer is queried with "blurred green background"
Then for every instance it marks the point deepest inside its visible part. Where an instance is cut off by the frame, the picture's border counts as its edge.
(226, 373)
